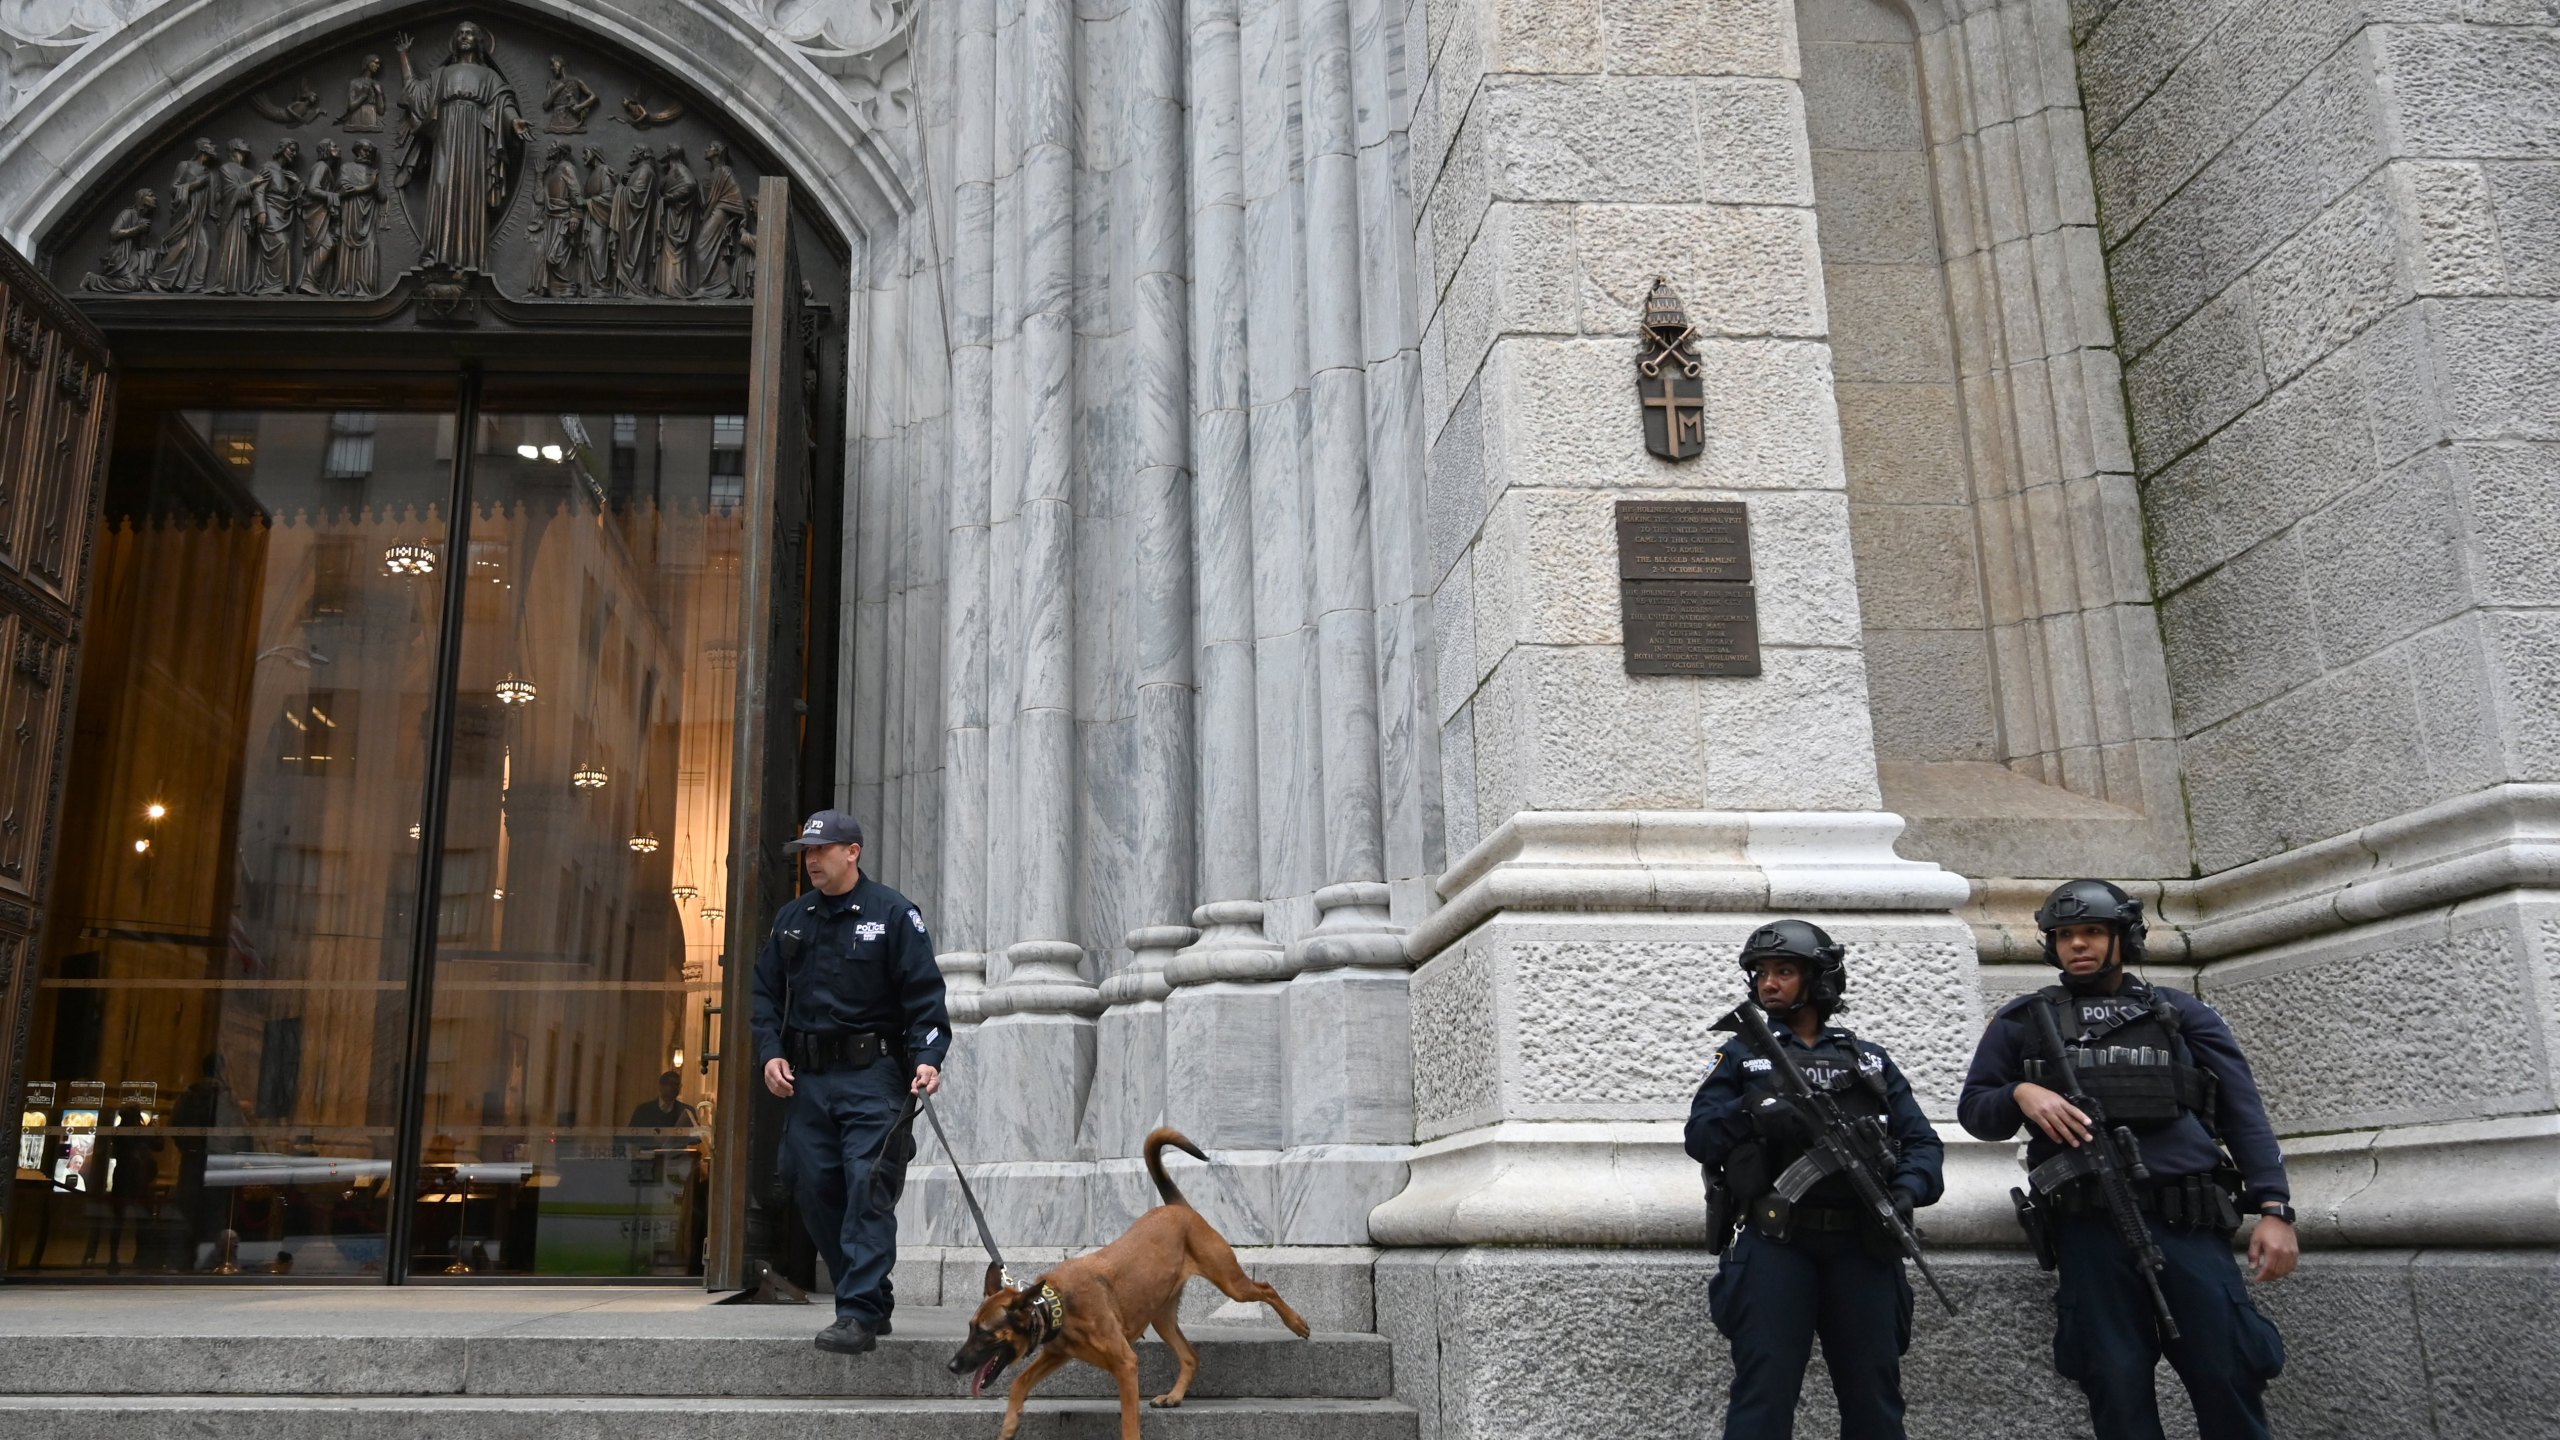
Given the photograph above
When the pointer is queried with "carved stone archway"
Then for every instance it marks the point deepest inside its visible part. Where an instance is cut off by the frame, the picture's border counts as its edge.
(805, 93)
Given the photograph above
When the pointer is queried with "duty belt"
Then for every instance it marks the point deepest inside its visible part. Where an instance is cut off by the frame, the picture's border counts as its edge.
(1824, 1217)
(2186, 1202)
(835, 1050)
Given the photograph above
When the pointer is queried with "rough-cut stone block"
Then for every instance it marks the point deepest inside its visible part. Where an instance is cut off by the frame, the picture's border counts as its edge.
(1904, 444)
(1561, 413)
(2296, 451)
(1612, 138)
(2512, 497)
(1584, 735)
(2240, 635)
(1876, 207)
(1710, 37)
(2334, 277)
(2524, 654)
(1755, 131)
(1932, 695)
(2454, 226)
(1740, 270)
(1916, 566)
(2526, 225)
(1797, 738)
(1889, 323)
(2501, 372)
(2197, 380)
(1862, 96)
(2385, 561)
(2485, 91)
(2342, 750)
(2487, 1320)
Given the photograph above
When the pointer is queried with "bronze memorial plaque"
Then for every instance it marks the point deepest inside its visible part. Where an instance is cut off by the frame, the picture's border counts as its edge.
(1690, 627)
(1683, 540)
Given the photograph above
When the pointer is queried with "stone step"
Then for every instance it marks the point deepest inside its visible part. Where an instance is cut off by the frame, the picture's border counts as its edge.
(463, 1417)
(1234, 1362)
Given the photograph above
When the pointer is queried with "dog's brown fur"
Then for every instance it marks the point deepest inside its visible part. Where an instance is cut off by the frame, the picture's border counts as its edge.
(1110, 1297)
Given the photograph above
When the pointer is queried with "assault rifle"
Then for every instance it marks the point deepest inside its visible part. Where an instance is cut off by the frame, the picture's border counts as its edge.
(1842, 1145)
(2113, 1158)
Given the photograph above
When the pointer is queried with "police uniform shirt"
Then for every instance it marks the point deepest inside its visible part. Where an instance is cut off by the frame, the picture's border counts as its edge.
(1989, 1104)
(1719, 1117)
(865, 965)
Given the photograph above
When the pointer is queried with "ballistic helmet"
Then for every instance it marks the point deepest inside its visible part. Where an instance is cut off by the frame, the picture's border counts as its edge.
(2093, 902)
(1824, 959)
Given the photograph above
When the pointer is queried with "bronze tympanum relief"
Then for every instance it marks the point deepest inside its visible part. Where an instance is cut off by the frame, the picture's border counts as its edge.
(486, 173)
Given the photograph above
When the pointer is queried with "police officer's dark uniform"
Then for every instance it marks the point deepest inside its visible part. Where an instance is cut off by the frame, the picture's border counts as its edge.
(1827, 1271)
(2163, 1063)
(847, 990)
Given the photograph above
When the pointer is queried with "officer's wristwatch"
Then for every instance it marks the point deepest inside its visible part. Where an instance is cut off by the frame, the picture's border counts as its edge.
(2279, 1211)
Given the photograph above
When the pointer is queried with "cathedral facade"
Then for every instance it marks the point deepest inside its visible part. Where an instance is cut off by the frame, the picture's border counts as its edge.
(2138, 416)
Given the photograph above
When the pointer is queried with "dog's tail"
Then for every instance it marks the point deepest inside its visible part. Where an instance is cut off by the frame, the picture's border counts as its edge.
(1157, 1139)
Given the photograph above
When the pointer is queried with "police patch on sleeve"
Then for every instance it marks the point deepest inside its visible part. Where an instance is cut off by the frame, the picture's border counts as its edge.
(1713, 1061)
(916, 918)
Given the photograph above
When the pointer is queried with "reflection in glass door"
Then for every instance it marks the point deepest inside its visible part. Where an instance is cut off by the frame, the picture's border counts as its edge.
(578, 935)
(215, 1059)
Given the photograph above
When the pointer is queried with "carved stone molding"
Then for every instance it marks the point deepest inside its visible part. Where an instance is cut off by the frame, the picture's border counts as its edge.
(866, 46)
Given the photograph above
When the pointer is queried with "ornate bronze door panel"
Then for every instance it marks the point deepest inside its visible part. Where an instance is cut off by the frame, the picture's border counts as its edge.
(55, 398)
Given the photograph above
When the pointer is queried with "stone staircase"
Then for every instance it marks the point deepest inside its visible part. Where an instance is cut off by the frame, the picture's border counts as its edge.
(484, 1363)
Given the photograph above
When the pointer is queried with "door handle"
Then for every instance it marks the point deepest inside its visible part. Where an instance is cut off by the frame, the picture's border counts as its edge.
(709, 1035)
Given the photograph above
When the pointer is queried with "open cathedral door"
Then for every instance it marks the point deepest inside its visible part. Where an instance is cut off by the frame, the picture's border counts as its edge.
(55, 394)
(772, 755)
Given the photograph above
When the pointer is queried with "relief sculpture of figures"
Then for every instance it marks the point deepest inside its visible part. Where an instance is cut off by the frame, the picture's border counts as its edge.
(304, 107)
(715, 241)
(126, 267)
(678, 194)
(568, 103)
(235, 201)
(320, 222)
(603, 187)
(464, 132)
(365, 100)
(559, 267)
(635, 223)
(640, 117)
(186, 257)
(359, 204)
(279, 197)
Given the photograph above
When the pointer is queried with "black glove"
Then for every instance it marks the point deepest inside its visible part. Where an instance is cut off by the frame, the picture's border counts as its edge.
(1781, 1121)
(1903, 1204)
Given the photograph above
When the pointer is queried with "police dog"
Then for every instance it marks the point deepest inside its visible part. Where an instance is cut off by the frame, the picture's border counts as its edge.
(1094, 1307)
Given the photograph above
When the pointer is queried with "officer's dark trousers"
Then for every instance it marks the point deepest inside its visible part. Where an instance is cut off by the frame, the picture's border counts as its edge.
(837, 1121)
(1771, 1300)
(2108, 1339)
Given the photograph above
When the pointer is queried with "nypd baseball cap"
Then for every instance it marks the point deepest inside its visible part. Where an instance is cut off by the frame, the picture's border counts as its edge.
(827, 827)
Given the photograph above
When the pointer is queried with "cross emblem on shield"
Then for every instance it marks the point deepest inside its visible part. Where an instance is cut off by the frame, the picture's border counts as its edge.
(1669, 381)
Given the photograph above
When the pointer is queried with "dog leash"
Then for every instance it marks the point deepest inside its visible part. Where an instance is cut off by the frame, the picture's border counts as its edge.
(986, 1237)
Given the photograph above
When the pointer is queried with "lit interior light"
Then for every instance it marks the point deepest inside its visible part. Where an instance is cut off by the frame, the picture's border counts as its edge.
(684, 893)
(552, 453)
(529, 452)
(323, 717)
(513, 691)
(141, 847)
(644, 844)
(155, 811)
(497, 894)
(675, 1061)
(405, 559)
(414, 831)
(587, 777)
(712, 912)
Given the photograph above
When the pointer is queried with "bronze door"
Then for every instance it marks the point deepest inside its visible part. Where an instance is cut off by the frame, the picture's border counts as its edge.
(56, 393)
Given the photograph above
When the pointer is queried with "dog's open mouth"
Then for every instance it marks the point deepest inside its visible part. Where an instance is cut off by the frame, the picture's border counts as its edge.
(986, 1373)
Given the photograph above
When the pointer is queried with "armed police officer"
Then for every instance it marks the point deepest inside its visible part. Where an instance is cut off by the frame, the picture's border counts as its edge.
(1819, 1264)
(849, 1022)
(2168, 1078)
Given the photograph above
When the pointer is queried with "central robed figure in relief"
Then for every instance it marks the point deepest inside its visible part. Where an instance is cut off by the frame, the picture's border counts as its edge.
(464, 129)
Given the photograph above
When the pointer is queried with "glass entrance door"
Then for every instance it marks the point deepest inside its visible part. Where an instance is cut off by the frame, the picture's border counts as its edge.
(232, 984)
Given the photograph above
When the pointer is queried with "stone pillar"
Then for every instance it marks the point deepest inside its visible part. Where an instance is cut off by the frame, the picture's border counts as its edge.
(1614, 838)
(1037, 1042)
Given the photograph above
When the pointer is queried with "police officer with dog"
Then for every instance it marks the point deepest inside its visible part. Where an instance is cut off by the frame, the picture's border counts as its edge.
(1816, 1264)
(849, 1023)
(2133, 1091)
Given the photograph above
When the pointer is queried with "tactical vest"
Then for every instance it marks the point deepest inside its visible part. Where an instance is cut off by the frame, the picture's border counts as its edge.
(2131, 1056)
(1836, 1067)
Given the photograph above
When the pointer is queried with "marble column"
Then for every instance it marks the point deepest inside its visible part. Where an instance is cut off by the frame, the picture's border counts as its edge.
(1038, 1039)
(1222, 1018)
(1129, 1075)
(961, 925)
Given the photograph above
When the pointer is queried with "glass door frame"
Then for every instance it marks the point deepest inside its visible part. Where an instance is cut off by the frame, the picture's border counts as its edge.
(712, 377)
